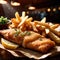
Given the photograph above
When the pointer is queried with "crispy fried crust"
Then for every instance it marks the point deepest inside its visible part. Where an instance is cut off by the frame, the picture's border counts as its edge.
(42, 46)
(33, 41)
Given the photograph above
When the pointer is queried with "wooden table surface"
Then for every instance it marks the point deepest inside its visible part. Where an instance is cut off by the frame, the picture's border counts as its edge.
(25, 58)
(7, 56)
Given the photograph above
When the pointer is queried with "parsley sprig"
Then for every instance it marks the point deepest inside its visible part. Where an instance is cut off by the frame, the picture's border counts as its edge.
(3, 20)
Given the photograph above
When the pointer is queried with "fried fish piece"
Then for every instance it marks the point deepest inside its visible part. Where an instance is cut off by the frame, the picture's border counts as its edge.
(10, 34)
(31, 40)
(16, 36)
(41, 45)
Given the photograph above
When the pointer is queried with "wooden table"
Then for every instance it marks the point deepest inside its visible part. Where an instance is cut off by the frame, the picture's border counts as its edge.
(7, 56)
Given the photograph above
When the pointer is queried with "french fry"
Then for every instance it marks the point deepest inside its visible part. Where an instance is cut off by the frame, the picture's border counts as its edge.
(51, 24)
(54, 26)
(12, 25)
(54, 31)
(47, 26)
(28, 22)
(54, 37)
(29, 19)
(58, 29)
(23, 27)
(23, 14)
(14, 22)
(43, 24)
(43, 20)
(47, 31)
(34, 27)
(39, 27)
(18, 18)
(22, 22)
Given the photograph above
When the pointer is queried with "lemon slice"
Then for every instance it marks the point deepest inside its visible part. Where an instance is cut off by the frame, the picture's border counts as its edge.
(8, 44)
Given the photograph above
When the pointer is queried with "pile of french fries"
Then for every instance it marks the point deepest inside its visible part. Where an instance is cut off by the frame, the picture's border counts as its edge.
(42, 27)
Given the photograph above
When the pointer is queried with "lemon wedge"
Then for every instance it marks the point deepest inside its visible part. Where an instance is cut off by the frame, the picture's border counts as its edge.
(8, 44)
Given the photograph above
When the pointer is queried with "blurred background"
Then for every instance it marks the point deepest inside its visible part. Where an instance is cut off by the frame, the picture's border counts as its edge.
(34, 8)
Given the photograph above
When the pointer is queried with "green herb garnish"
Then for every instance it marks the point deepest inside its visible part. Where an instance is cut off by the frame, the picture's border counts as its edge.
(22, 34)
(3, 20)
(17, 33)
(40, 39)
(27, 33)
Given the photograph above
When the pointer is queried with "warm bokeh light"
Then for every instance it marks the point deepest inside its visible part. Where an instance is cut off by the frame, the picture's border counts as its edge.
(31, 8)
(48, 9)
(3, 2)
(54, 9)
(15, 3)
(27, 12)
(58, 8)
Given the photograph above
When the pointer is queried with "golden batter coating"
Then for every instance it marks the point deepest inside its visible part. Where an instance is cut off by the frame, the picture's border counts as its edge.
(41, 44)
(28, 39)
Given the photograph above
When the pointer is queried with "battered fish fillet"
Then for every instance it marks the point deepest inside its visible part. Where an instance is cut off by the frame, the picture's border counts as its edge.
(32, 41)
(42, 45)
(9, 34)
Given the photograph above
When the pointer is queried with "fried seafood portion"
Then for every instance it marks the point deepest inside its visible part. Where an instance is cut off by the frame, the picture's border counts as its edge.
(28, 39)
(41, 45)
(11, 35)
